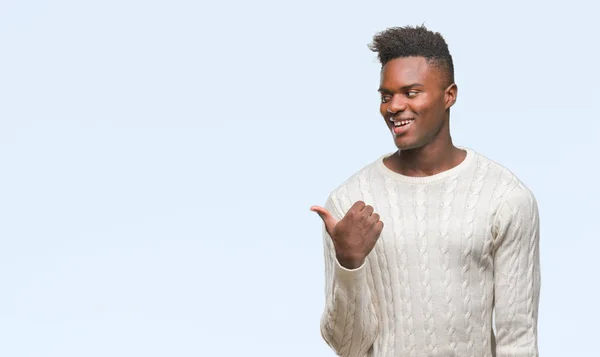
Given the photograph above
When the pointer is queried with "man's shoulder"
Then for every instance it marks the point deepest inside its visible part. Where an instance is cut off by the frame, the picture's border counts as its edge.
(494, 168)
(505, 181)
(357, 181)
(508, 182)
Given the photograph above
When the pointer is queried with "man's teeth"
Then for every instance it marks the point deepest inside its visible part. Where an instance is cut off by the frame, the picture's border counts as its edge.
(401, 123)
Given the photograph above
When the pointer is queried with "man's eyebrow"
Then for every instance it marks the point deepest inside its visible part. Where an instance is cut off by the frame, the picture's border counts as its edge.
(384, 90)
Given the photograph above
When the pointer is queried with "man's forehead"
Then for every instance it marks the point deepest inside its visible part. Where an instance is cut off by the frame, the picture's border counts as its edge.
(407, 70)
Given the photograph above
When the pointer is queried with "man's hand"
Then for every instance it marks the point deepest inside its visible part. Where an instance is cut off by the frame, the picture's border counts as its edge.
(355, 235)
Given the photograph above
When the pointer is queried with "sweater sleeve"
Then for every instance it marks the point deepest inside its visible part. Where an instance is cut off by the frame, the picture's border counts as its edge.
(349, 323)
(517, 274)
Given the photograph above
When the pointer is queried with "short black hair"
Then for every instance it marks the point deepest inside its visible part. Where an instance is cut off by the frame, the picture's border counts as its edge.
(417, 41)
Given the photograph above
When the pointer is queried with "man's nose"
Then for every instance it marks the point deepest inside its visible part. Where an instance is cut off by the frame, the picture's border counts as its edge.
(397, 104)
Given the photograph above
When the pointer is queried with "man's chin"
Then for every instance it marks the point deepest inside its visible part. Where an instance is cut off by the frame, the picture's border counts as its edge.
(404, 143)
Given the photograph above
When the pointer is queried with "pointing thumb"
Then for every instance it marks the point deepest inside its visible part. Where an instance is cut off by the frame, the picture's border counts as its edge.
(327, 218)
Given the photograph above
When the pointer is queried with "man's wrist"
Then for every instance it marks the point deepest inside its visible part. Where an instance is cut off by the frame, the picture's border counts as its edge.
(350, 263)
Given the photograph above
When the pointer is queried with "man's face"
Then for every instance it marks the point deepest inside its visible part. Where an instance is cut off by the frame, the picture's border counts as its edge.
(414, 100)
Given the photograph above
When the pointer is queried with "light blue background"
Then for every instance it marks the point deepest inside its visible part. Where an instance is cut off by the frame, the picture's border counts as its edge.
(158, 160)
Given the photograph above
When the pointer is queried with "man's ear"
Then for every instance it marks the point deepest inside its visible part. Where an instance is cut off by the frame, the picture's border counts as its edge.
(450, 95)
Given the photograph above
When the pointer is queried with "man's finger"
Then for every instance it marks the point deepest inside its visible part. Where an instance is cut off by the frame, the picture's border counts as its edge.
(358, 206)
(327, 218)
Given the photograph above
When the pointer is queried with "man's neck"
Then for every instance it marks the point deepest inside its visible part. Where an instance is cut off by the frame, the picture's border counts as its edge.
(426, 160)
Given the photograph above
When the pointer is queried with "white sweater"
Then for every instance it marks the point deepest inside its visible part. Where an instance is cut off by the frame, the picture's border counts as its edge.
(454, 247)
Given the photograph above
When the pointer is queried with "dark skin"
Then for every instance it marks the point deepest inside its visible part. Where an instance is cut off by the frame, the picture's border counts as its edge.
(413, 89)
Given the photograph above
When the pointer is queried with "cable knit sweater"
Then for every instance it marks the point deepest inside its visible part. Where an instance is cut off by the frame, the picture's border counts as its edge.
(456, 248)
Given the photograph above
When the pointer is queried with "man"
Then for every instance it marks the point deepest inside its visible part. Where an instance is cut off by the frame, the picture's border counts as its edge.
(424, 244)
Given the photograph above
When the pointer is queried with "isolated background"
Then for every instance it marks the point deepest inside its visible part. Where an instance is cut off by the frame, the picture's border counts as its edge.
(158, 160)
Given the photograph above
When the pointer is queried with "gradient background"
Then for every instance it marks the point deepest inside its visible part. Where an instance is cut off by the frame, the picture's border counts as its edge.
(158, 160)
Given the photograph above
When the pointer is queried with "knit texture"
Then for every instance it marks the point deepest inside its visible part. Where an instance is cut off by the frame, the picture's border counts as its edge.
(456, 248)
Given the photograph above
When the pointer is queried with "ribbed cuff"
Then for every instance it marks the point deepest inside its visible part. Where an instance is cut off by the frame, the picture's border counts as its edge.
(350, 278)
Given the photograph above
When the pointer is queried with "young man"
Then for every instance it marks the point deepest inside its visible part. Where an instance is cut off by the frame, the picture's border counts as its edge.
(461, 232)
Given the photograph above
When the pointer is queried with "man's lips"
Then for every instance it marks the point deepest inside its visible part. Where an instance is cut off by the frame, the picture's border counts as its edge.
(400, 118)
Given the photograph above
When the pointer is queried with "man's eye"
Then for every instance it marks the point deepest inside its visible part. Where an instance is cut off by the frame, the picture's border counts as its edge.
(385, 98)
(412, 93)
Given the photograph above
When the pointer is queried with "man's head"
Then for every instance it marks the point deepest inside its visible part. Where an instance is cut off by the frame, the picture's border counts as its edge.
(417, 84)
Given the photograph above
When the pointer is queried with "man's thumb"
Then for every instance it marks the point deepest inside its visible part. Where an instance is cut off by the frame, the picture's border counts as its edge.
(327, 218)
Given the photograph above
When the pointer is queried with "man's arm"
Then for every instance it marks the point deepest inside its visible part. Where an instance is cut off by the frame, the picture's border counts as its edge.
(349, 323)
(517, 274)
